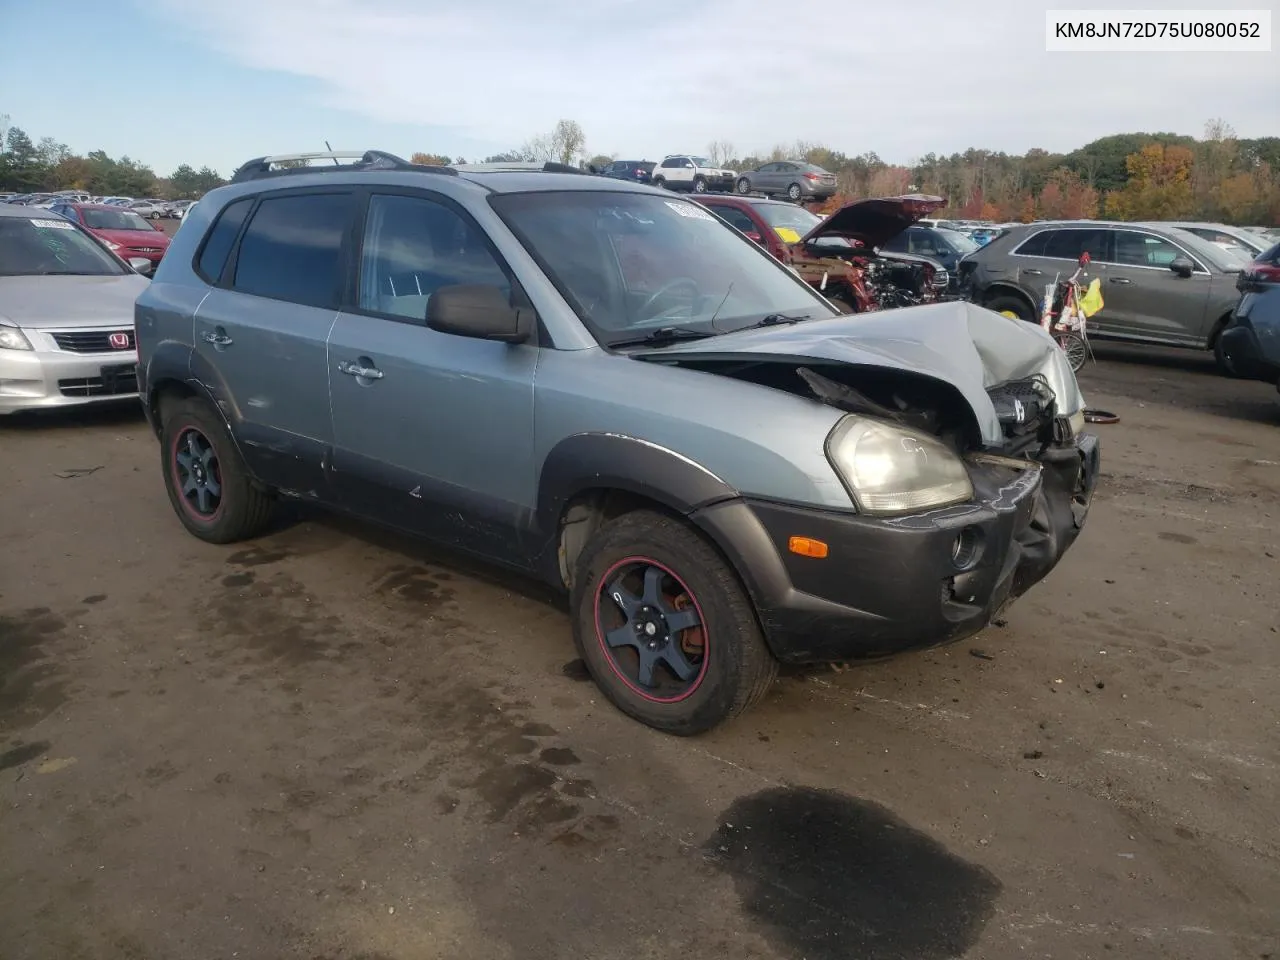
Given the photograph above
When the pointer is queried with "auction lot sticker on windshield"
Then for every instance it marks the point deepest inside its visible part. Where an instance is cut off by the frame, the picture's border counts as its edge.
(53, 224)
(690, 210)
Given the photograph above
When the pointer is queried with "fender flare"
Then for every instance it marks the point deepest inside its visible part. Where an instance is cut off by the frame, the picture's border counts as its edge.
(584, 461)
(172, 362)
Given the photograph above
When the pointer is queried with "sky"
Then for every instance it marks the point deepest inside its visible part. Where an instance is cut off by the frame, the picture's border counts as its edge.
(216, 82)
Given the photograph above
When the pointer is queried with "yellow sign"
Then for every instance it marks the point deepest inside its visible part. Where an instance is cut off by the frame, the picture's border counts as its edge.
(787, 234)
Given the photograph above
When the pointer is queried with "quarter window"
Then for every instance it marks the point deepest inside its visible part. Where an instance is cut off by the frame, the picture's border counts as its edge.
(218, 244)
(413, 247)
(292, 249)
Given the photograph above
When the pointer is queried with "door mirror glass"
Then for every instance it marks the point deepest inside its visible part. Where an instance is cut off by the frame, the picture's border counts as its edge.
(1182, 266)
(480, 311)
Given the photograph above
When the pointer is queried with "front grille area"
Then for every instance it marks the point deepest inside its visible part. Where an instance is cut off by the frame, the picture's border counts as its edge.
(145, 249)
(91, 341)
(98, 387)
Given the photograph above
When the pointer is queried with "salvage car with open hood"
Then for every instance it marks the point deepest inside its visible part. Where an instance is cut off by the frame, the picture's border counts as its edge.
(602, 385)
(838, 254)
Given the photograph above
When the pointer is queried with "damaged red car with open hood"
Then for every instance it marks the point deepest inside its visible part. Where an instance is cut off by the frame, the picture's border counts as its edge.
(837, 255)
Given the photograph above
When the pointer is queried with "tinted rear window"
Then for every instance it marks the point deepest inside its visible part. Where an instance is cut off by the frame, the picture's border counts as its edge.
(292, 249)
(218, 244)
(1068, 244)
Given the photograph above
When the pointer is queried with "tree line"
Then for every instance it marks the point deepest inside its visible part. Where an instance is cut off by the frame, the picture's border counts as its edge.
(1128, 176)
(27, 167)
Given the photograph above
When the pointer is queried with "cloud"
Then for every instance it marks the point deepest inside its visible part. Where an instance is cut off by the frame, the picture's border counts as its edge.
(648, 77)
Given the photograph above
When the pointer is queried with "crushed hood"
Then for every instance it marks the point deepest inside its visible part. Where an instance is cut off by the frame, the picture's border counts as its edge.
(59, 302)
(873, 222)
(967, 346)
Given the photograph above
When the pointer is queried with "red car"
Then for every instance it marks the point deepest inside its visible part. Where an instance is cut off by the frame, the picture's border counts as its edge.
(838, 255)
(126, 233)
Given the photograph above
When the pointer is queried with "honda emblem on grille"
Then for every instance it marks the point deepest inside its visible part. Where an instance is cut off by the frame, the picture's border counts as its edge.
(119, 341)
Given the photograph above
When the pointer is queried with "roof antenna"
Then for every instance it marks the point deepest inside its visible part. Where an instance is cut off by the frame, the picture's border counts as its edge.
(330, 149)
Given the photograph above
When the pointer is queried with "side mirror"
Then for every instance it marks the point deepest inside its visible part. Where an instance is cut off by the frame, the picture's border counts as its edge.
(480, 311)
(142, 265)
(753, 236)
(1182, 267)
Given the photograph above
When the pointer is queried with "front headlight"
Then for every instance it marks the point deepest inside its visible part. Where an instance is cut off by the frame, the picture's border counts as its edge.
(889, 469)
(11, 338)
(113, 247)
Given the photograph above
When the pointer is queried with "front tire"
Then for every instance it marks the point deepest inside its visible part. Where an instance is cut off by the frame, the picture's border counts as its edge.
(1222, 359)
(665, 627)
(699, 185)
(793, 192)
(744, 186)
(208, 484)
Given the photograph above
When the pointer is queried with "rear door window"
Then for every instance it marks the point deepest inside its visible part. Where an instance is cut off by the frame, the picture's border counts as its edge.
(1070, 243)
(213, 255)
(292, 248)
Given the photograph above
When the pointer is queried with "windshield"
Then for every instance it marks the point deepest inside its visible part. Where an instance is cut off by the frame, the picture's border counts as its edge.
(37, 247)
(630, 264)
(115, 220)
(1233, 256)
(701, 161)
(1231, 239)
(958, 241)
(791, 223)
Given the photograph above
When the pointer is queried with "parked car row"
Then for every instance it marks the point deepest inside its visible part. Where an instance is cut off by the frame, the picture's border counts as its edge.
(151, 208)
(797, 180)
(1171, 284)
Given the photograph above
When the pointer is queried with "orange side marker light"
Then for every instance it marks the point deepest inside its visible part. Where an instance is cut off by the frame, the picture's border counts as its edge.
(808, 547)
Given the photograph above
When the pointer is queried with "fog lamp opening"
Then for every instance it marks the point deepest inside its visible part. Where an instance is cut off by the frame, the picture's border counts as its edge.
(966, 550)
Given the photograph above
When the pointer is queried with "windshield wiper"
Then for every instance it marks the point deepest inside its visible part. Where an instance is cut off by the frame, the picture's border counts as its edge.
(664, 335)
(773, 319)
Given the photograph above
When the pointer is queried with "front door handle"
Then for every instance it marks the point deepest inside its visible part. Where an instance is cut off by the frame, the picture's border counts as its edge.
(218, 338)
(1121, 280)
(364, 371)
(1033, 273)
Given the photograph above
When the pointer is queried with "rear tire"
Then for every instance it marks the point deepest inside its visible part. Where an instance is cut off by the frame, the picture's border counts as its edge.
(660, 182)
(1015, 305)
(208, 484)
(734, 667)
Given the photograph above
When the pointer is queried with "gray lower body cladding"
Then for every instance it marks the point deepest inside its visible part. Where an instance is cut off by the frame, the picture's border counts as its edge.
(894, 584)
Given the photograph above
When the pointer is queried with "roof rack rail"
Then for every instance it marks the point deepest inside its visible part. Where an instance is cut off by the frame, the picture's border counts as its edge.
(260, 167)
(519, 166)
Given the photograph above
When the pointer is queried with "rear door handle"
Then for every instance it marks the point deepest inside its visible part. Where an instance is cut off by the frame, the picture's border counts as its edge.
(1121, 280)
(363, 370)
(1033, 273)
(218, 338)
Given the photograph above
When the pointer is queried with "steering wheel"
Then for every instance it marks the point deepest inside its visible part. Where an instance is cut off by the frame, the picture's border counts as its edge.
(666, 289)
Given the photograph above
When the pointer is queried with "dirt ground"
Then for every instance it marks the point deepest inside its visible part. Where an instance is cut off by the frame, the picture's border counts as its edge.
(334, 744)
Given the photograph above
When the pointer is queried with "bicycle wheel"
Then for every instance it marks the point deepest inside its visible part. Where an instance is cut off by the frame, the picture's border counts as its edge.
(1073, 346)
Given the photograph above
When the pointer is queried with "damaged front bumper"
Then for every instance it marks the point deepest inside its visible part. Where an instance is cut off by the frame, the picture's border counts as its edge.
(893, 584)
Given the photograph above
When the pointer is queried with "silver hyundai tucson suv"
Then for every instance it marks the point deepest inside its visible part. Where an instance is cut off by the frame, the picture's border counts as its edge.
(607, 387)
